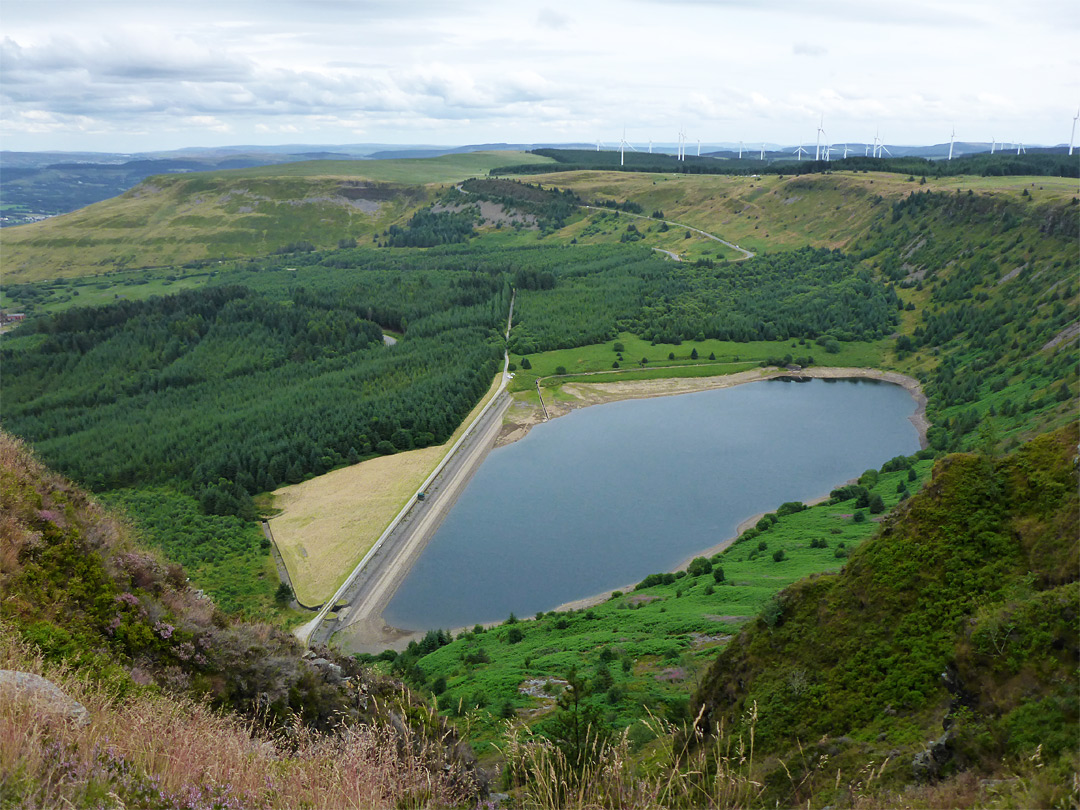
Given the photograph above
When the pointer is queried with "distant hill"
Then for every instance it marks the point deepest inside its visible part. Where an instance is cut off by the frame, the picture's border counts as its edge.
(1044, 163)
(41, 184)
(30, 192)
(181, 217)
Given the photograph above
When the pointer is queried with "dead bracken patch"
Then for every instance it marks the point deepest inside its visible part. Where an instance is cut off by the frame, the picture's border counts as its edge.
(671, 674)
(703, 639)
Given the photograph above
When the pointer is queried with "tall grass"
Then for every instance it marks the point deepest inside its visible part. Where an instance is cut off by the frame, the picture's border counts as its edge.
(151, 749)
(683, 769)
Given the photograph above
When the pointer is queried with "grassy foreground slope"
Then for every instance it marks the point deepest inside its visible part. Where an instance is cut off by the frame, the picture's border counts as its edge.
(957, 624)
(213, 216)
(187, 708)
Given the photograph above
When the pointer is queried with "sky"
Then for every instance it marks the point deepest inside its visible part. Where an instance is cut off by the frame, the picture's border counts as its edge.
(145, 75)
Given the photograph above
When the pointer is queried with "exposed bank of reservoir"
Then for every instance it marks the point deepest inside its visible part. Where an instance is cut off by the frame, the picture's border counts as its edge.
(606, 495)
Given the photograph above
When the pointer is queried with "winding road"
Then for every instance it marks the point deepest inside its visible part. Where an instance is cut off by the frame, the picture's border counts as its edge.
(747, 254)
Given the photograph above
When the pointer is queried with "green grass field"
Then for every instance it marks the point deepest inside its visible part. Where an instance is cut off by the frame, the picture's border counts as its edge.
(655, 642)
(730, 357)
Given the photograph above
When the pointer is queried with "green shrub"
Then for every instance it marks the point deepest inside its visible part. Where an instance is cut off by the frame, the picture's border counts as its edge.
(699, 566)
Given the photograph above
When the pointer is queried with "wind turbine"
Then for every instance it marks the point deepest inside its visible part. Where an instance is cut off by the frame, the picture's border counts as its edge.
(879, 146)
(622, 147)
(597, 144)
(952, 140)
(650, 146)
(740, 150)
(1072, 137)
(827, 152)
(763, 150)
(993, 143)
(1020, 148)
(845, 151)
(799, 152)
(699, 147)
(820, 132)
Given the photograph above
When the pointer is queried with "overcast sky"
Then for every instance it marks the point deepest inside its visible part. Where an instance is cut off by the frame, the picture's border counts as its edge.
(138, 75)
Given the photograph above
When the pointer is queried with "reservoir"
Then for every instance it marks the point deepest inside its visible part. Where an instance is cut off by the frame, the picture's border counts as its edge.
(606, 495)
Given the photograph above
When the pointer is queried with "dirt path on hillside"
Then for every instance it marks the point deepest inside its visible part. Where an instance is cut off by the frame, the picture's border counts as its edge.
(746, 254)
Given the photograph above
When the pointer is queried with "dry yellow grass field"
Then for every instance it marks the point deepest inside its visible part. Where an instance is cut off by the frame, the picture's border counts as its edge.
(329, 523)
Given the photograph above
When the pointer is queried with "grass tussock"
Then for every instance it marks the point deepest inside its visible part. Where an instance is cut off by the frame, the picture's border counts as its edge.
(153, 750)
(680, 769)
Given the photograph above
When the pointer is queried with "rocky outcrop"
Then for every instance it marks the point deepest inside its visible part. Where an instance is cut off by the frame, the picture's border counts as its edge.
(48, 696)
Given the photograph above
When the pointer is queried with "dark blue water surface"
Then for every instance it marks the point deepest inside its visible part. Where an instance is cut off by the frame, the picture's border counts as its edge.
(603, 496)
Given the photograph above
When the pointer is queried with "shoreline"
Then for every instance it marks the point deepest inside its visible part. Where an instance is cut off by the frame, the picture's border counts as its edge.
(370, 633)
(361, 626)
(599, 393)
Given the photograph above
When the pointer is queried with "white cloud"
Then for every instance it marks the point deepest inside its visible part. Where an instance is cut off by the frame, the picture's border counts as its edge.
(806, 49)
(207, 122)
(548, 18)
(429, 71)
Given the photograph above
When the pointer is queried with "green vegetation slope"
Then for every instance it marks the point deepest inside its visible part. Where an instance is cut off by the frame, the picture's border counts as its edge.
(957, 624)
(187, 708)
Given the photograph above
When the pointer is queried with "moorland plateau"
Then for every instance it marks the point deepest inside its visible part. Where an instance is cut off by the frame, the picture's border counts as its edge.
(204, 340)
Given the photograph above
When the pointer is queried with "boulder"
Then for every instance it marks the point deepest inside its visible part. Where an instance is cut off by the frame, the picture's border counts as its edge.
(30, 687)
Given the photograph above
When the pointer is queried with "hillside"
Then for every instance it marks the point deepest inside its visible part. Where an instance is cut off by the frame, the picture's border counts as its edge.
(938, 285)
(185, 706)
(177, 219)
(30, 192)
(777, 212)
(957, 624)
(215, 216)
(182, 408)
(212, 216)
